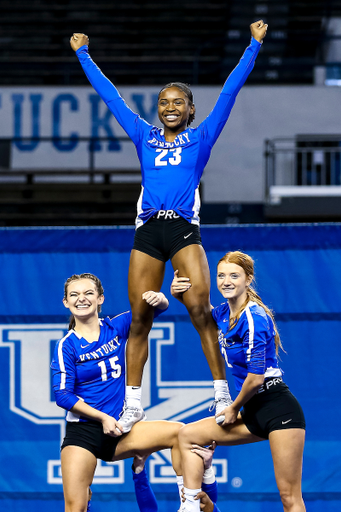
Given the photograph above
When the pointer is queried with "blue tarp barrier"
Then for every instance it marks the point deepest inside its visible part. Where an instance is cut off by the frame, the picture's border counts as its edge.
(298, 276)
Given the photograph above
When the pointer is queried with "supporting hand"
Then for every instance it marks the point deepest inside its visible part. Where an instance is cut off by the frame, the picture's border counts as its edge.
(206, 504)
(230, 414)
(205, 453)
(179, 285)
(111, 427)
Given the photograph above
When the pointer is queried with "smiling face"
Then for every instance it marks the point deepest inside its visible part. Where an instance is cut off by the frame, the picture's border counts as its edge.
(174, 109)
(82, 299)
(232, 282)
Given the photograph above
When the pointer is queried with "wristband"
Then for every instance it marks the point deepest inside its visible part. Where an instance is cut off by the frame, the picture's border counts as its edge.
(209, 476)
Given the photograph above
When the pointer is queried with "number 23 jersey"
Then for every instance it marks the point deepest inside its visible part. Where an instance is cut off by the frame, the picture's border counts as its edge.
(171, 171)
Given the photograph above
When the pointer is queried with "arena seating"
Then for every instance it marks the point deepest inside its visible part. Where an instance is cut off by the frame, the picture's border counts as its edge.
(194, 41)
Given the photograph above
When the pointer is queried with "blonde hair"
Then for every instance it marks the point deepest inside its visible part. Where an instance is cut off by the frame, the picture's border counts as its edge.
(246, 262)
(77, 277)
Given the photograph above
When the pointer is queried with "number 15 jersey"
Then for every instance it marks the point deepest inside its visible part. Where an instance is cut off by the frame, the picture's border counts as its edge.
(171, 171)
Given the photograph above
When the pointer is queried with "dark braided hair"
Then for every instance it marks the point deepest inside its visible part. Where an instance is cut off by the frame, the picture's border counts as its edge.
(77, 277)
(184, 88)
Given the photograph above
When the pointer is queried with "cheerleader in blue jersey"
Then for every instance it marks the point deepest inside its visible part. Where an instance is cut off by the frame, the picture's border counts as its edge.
(167, 224)
(264, 407)
(88, 369)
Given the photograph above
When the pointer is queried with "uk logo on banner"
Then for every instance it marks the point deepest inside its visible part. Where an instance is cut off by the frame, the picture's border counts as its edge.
(31, 396)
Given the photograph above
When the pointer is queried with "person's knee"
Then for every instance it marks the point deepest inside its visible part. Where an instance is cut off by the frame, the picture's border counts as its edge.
(288, 498)
(141, 322)
(73, 505)
(176, 431)
(200, 312)
(185, 436)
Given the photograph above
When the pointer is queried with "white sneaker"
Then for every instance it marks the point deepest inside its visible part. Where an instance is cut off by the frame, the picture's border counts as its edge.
(219, 405)
(129, 416)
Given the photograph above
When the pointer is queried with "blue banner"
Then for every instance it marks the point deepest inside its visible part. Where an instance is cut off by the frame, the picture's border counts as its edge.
(298, 276)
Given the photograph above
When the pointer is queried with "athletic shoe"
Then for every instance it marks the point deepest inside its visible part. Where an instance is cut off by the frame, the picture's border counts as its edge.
(219, 405)
(129, 416)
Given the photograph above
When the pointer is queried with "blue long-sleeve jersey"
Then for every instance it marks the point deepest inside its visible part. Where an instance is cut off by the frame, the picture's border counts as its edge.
(249, 347)
(93, 372)
(171, 171)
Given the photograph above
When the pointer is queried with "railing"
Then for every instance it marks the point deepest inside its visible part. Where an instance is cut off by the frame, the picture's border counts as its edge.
(87, 159)
(307, 165)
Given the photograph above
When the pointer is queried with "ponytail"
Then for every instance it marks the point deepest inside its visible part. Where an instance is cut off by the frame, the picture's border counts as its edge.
(72, 323)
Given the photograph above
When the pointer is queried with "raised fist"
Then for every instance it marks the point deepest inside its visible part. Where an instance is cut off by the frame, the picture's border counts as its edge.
(78, 40)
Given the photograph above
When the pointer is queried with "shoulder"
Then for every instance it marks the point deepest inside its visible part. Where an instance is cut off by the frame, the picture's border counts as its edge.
(69, 339)
(222, 311)
(256, 317)
(118, 321)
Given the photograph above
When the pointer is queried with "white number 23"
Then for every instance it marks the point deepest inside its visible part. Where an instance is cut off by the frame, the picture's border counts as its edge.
(174, 158)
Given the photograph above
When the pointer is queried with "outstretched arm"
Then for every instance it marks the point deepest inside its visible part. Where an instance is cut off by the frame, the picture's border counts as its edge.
(129, 120)
(216, 120)
(145, 496)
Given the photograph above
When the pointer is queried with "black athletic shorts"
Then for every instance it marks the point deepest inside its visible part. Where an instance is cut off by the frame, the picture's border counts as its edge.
(89, 435)
(274, 407)
(165, 234)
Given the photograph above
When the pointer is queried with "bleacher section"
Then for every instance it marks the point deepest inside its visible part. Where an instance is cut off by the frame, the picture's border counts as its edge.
(194, 41)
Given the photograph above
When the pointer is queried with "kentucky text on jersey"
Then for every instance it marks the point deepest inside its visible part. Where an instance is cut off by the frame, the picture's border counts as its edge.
(107, 348)
(93, 372)
(249, 347)
(171, 171)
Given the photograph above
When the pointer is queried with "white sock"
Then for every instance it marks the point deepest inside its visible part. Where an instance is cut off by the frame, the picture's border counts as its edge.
(133, 396)
(221, 390)
(191, 505)
(180, 482)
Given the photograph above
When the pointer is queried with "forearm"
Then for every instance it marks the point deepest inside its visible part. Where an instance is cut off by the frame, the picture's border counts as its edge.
(98, 80)
(250, 387)
(144, 494)
(86, 411)
(211, 490)
(164, 303)
(238, 76)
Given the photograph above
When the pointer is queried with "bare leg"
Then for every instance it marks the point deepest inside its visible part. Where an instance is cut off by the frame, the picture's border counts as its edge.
(287, 454)
(151, 436)
(191, 262)
(203, 432)
(78, 468)
(145, 273)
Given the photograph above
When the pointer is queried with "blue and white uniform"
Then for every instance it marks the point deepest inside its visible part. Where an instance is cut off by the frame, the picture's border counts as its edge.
(93, 372)
(249, 347)
(171, 171)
